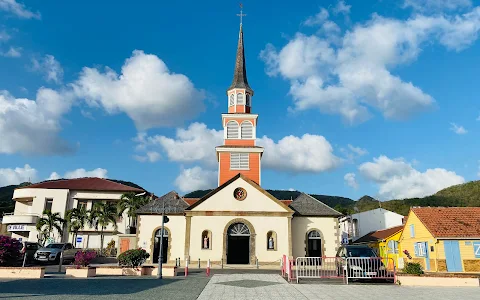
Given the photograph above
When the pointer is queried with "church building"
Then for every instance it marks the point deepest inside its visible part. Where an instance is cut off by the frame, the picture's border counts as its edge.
(238, 222)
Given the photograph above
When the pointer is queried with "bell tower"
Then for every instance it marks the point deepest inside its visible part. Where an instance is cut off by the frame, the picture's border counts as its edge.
(239, 154)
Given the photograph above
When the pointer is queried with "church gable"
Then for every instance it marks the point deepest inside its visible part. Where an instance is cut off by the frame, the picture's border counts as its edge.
(240, 194)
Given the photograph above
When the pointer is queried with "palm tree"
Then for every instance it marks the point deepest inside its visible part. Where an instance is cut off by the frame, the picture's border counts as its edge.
(131, 202)
(103, 214)
(48, 223)
(76, 220)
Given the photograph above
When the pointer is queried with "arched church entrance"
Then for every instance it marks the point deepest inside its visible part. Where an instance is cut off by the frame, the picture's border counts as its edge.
(314, 247)
(238, 244)
(156, 247)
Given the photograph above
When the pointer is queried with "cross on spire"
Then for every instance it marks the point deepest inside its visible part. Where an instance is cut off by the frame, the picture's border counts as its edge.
(241, 14)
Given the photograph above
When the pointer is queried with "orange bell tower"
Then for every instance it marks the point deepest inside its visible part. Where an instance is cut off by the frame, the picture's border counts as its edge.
(239, 154)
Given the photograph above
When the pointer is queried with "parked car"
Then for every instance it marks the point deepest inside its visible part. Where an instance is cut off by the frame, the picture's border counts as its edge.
(28, 250)
(52, 252)
(359, 261)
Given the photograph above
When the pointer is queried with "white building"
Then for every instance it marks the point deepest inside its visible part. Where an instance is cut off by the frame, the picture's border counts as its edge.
(60, 196)
(357, 225)
(238, 222)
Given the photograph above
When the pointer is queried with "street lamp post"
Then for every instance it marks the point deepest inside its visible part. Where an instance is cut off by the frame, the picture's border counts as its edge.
(162, 230)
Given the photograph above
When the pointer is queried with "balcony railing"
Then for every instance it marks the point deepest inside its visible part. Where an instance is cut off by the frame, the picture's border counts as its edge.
(20, 218)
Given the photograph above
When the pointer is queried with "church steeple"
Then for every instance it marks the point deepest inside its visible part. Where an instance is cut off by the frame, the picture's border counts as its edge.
(240, 80)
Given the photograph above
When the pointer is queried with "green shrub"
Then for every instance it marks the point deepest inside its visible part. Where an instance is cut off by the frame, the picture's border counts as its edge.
(413, 268)
(133, 258)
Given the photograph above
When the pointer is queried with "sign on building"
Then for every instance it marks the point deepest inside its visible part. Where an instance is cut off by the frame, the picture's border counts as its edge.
(13, 228)
(79, 239)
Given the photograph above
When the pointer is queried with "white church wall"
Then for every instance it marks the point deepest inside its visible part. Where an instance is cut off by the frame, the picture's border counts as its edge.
(149, 224)
(328, 228)
(217, 224)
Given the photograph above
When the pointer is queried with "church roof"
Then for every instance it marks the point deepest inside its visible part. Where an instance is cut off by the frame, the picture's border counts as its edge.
(240, 73)
(306, 205)
(174, 204)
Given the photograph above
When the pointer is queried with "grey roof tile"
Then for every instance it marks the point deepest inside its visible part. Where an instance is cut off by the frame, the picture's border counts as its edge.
(174, 204)
(306, 205)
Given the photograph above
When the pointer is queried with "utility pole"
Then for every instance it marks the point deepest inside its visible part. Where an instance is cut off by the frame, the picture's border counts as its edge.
(160, 258)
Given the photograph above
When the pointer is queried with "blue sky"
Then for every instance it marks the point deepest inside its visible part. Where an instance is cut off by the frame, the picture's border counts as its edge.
(354, 97)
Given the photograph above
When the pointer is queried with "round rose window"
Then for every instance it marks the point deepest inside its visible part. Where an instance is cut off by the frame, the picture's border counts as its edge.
(240, 194)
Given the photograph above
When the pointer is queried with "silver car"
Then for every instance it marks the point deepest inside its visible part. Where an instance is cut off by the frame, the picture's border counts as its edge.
(52, 252)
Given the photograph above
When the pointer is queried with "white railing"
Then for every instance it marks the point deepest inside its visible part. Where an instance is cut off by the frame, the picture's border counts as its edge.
(319, 267)
(370, 268)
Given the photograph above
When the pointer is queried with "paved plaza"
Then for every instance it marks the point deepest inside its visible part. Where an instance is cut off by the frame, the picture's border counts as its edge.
(249, 285)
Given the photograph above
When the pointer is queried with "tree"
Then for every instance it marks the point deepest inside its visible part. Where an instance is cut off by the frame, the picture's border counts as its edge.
(76, 220)
(48, 223)
(103, 214)
(131, 202)
(9, 251)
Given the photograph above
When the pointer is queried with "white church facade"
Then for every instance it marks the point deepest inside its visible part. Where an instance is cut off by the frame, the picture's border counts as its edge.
(238, 222)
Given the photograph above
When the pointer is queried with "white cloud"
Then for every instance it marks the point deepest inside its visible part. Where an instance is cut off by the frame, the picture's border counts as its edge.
(354, 76)
(32, 126)
(196, 143)
(12, 52)
(350, 180)
(397, 179)
(352, 152)
(457, 128)
(196, 178)
(17, 175)
(309, 153)
(150, 156)
(437, 5)
(357, 150)
(49, 67)
(342, 8)
(79, 173)
(18, 9)
(4, 36)
(147, 91)
(317, 19)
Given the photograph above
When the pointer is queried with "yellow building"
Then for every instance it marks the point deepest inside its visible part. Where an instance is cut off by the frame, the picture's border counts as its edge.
(386, 243)
(443, 239)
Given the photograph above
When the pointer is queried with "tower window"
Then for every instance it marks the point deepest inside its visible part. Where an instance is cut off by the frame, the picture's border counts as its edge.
(247, 130)
(231, 102)
(239, 161)
(247, 97)
(240, 99)
(232, 130)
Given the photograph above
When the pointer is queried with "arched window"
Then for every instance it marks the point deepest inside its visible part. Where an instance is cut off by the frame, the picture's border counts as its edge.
(232, 130)
(240, 99)
(247, 97)
(314, 244)
(231, 102)
(271, 240)
(207, 240)
(247, 130)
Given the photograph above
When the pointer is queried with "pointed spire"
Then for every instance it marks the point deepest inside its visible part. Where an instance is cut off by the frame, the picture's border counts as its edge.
(240, 73)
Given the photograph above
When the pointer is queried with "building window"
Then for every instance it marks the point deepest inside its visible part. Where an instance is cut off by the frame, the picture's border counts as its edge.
(271, 240)
(412, 230)
(393, 247)
(207, 240)
(247, 130)
(48, 204)
(247, 97)
(82, 204)
(240, 99)
(232, 130)
(420, 249)
(476, 249)
(239, 161)
(231, 101)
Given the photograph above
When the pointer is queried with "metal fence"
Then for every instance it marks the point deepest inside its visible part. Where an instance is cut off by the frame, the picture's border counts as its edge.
(370, 268)
(319, 267)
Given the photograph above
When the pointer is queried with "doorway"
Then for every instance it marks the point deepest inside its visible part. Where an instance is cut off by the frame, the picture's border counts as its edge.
(238, 244)
(314, 244)
(156, 248)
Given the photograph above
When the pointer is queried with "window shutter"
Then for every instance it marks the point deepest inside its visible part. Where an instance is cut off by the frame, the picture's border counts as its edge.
(239, 161)
(232, 100)
(476, 249)
(247, 130)
(415, 248)
(232, 130)
(247, 96)
(240, 99)
(412, 230)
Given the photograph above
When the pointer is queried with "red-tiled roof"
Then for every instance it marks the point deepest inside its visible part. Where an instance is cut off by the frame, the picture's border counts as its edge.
(450, 222)
(85, 184)
(286, 202)
(379, 235)
(191, 201)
